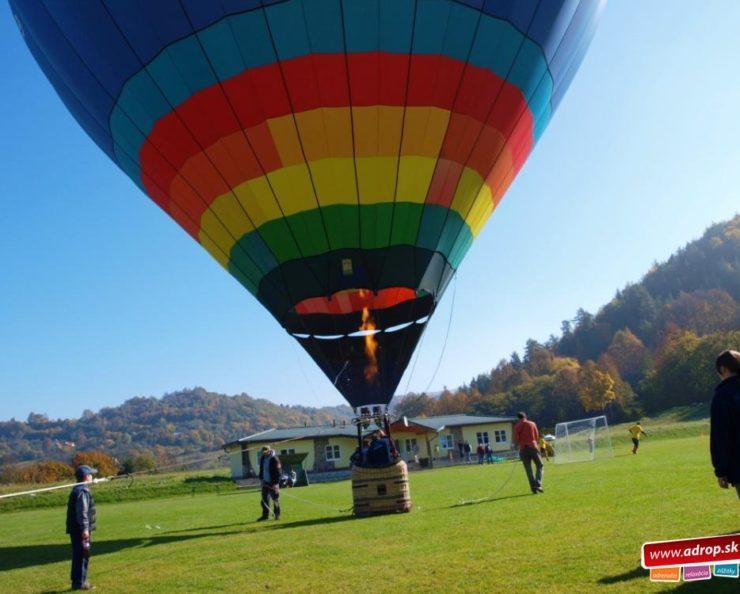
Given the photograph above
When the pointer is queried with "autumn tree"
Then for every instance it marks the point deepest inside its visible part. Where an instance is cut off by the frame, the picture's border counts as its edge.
(414, 405)
(450, 403)
(703, 312)
(629, 355)
(106, 465)
(595, 387)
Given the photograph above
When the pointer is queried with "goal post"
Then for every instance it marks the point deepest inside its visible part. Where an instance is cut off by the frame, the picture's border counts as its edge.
(583, 440)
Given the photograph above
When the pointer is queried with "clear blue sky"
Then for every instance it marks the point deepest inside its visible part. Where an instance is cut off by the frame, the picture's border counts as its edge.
(103, 298)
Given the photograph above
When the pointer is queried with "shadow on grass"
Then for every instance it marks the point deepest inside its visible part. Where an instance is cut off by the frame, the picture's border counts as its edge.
(207, 480)
(254, 526)
(19, 557)
(716, 584)
(637, 572)
(465, 503)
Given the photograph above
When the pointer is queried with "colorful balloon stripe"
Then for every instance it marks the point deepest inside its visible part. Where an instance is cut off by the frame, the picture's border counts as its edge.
(428, 226)
(239, 43)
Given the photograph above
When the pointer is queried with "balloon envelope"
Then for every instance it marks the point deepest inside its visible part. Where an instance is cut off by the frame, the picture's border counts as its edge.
(337, 157)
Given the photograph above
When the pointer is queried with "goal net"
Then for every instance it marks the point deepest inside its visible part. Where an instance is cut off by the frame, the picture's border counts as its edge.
(583, 440)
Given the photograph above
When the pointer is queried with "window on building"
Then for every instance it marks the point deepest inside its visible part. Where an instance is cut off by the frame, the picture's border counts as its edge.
(333, 453)
(448, 441)
(287, 452)
(411, 445)
(500, 436)
(482, 437)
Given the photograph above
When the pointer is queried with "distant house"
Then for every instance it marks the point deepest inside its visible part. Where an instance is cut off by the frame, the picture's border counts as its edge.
(330, 448)
(327, 448)
(439, 437)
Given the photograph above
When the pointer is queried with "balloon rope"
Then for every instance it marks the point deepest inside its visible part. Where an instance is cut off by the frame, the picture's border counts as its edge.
(492, 494)
(128, 475)
(447, 334)
(416, 360)
(44, 489)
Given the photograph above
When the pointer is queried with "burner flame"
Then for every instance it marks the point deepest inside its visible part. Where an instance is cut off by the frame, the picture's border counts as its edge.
(371, 345)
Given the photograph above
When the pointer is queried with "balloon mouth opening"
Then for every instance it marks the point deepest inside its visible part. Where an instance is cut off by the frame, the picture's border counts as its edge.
(363, 333)
(360, 314)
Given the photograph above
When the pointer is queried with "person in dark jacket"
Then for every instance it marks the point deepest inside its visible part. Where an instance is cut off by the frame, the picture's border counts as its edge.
(724, 443)
(468, 450)
(80, 524)
(270, 471)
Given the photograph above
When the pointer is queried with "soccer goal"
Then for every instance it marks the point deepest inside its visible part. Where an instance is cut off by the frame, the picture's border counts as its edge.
(583, 440)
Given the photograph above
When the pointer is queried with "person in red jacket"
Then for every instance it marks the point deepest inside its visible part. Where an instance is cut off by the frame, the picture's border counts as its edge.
(526, 435)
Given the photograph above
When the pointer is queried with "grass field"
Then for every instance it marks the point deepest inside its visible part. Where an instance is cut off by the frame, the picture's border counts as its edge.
(583, 534)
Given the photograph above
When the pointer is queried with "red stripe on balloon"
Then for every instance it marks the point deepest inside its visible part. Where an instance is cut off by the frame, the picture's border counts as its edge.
(355, 300)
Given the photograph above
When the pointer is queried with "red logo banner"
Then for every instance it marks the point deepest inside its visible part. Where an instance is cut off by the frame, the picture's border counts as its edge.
(691, 551)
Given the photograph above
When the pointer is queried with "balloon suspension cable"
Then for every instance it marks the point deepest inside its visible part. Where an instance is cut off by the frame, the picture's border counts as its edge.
(341, 371)
(447, 335)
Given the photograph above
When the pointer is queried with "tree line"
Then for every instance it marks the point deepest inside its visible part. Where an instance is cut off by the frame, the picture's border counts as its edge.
(163, 429)
(652, 347)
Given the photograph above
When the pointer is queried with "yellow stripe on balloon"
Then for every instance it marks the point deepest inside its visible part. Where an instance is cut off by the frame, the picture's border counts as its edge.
(376, 178)
(480, 211)
(213, 249)
(225, 223)
(414, 177)
(334, 180)
(468, 187)
(292, 186)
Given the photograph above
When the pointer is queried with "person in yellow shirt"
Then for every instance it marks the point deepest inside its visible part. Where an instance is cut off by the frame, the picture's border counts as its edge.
(636, 431)
(542, 444)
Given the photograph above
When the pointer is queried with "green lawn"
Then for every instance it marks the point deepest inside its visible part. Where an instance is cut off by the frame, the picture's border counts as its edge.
(583, 534)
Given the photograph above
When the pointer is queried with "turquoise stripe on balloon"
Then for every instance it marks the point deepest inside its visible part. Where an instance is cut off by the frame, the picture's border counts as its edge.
(252, 37)
(445, 28)
(181, 70)
(381, 25)
(297, 31)
(223, 49)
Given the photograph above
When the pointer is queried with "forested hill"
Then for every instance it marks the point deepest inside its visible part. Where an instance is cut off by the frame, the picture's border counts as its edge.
(650, 348)
(182, 422)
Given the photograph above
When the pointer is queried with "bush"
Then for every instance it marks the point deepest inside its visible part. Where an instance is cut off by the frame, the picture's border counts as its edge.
(138, 463)
(51, 471)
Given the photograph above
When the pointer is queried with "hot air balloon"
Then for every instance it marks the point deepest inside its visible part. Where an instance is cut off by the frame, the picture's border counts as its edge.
(337, 157)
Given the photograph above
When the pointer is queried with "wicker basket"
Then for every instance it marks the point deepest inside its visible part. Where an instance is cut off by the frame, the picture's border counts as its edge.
(381, 490)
